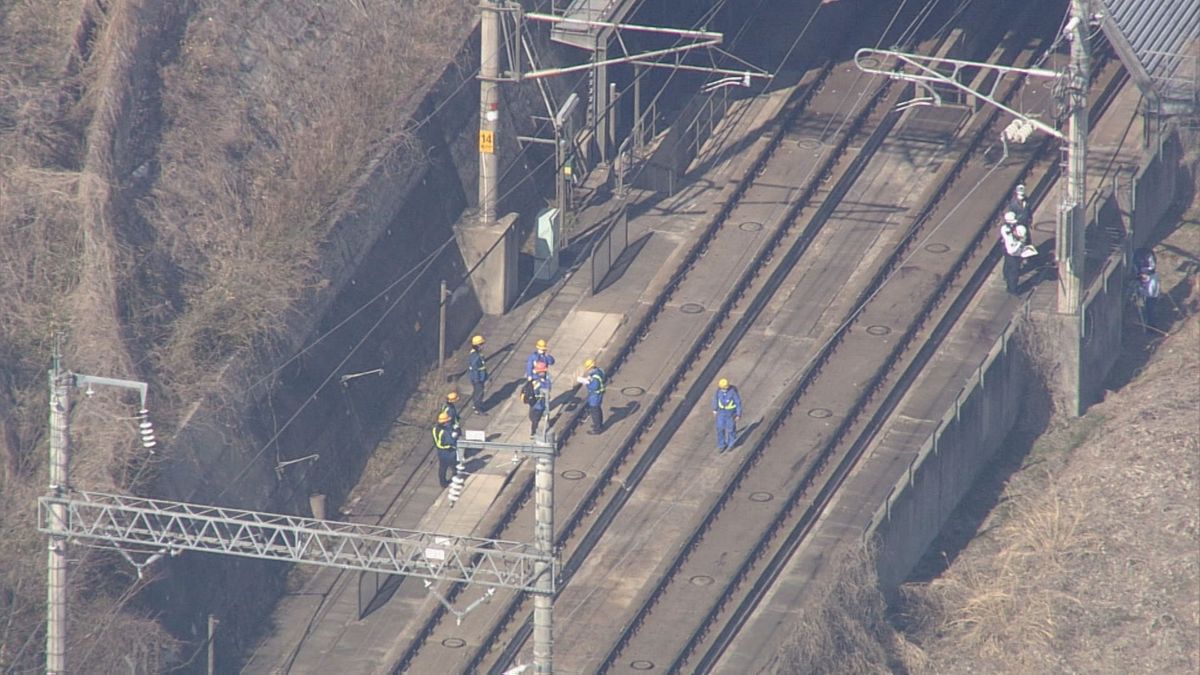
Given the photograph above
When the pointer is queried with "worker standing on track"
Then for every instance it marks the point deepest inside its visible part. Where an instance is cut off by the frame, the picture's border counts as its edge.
(1019, 206)
(478, 374)
(593, 378)
(445, 441)
(536, 394)
(451, 409)
(727, 406)
(1013, 238)
(539, 355)
(1021, 210)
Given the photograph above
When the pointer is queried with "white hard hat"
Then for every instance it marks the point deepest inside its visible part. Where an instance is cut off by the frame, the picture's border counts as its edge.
(1020, 189)
(1010, 217)
(1020, 230)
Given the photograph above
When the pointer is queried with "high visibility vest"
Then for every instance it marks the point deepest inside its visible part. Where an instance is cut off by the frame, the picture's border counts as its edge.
(726, 401)
(598, 376)
(439, 438)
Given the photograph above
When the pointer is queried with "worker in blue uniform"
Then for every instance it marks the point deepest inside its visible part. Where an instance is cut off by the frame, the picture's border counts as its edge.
(540, 355)
(451, 409)
(727, 407)
(445, 441)
(593, 379)
(538, 397)
(477, 373)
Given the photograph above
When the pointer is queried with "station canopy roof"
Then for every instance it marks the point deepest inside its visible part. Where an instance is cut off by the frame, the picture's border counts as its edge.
(590, 37)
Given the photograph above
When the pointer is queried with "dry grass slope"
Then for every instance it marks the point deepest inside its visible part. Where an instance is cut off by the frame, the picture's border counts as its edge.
(179, 218)
(1090, 563)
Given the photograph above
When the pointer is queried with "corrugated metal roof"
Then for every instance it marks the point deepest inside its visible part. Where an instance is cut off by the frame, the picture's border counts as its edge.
(588, 37)
(1164, 36)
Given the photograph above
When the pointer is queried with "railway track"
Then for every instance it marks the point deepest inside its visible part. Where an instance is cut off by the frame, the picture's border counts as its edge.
(704, 336)
(946, 292)
(670, 630)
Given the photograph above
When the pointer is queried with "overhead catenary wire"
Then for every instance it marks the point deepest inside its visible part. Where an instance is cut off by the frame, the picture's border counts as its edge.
(915, 25)
(530, 173)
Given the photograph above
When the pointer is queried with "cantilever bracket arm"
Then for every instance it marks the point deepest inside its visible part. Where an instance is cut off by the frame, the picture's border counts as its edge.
(697, 39)
(141, 388)
(925, 69)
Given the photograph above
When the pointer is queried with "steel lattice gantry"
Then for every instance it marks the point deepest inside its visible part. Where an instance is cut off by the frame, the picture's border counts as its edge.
(164, 526)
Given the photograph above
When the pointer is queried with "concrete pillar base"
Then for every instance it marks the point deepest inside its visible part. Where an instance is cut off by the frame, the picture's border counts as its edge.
(1054, 347)
(491, 251)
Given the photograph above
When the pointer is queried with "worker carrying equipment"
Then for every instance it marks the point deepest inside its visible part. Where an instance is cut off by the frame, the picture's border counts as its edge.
(539, 355)
(478, 374)
(593, 378)
(1015, 239)
(536, 394)
(727, 407)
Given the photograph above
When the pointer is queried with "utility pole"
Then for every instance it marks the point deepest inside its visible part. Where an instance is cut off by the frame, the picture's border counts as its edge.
(212, 644)
(543, 601)
(1071, 220)
(489, 108)
(55, 508)
(443, 295)
(56, 579)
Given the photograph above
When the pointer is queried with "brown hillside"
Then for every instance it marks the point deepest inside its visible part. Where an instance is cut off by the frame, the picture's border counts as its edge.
(1091, 561)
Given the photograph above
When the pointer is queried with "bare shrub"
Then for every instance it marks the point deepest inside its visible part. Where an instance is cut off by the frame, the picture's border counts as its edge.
(844, 629)
(993, 613)
(266, 138)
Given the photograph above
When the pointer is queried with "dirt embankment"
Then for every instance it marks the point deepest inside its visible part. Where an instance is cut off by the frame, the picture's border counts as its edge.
(169, 172)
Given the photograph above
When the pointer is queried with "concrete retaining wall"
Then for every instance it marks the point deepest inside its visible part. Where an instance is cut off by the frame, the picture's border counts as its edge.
(949, 461)
(970, 432)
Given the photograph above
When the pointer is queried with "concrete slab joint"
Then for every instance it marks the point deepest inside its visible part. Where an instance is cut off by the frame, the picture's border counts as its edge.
(490, 252)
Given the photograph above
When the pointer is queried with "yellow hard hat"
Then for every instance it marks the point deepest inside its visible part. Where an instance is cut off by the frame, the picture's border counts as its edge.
(477, 340)
(443, 417)
(588, 363)
(452, 396)
(541, 344)
(723, 383)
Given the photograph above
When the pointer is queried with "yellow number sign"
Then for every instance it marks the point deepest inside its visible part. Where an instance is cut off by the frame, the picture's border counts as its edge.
(487, 141)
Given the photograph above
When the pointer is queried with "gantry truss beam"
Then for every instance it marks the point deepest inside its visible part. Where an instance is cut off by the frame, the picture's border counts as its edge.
(163, 526)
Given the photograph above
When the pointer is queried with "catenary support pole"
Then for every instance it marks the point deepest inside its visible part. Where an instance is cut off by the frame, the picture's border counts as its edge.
(637, 109)
(612, 114)
(543, 601)
(442, 297)
(489, 108)
(1071, 220)
(56, 580)
(212, 644)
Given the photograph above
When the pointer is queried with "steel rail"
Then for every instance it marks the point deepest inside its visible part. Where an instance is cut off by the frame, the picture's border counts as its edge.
(798, 533)
(722, 353)
(525, 485)
(865, 436)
